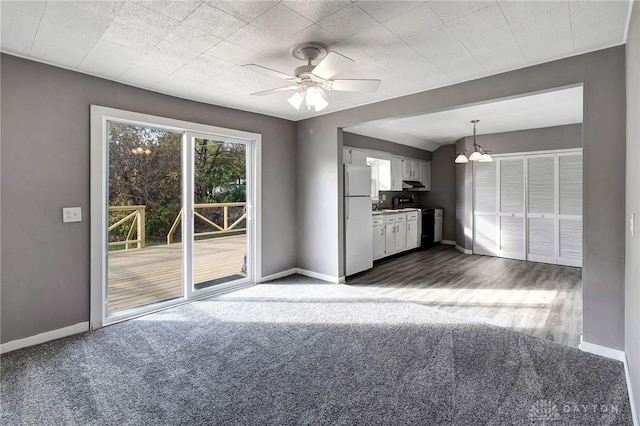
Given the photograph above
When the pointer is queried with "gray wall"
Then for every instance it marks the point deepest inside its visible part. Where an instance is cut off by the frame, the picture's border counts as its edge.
(443, 188)
(549, 138)
(366, 142)
(632, 254)
(45, 166)
(320, 207)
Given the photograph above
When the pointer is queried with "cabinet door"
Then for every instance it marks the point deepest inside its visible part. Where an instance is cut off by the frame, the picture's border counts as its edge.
(346, 155)
(401, 234)
(396, 173)
(541, 208)
(359, 157)
(390, 238)
(485, 240)
(425, 175)
(570, 209)
(378, 242)
(407, 168)
(415, 170)
(512, 229)
(412, 234)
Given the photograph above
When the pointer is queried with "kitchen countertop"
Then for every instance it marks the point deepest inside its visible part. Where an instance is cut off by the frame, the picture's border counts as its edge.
(391, 211)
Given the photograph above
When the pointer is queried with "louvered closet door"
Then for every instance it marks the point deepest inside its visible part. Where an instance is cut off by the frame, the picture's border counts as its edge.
(485, 239)
(570, 209)
(511, 216)
(541, 209)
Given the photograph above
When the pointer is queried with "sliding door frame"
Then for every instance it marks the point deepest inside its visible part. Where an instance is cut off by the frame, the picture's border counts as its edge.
(99, 203)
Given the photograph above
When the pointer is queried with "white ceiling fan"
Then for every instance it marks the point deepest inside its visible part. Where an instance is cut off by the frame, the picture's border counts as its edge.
(312, 81)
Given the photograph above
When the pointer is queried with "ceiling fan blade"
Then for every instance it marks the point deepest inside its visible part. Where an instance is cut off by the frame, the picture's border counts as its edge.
(353, 85)
(269, 71)
(279, 89)
(331, 65)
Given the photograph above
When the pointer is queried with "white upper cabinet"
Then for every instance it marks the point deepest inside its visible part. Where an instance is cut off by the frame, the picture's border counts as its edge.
(410, 169)
(359, 157)
(396, 173)
(391, 172)
(425, 174)
(346, 155)
(407, 165)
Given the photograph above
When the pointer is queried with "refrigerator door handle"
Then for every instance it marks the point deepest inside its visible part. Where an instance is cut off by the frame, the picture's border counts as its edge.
(346, 185)
(346, 206)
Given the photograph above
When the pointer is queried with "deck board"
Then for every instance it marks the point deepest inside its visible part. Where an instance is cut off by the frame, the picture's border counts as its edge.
(141, 276)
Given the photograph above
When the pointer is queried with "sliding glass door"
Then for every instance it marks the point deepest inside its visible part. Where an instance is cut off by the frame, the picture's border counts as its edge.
(176, 215)
(220, 189)
(144, 197)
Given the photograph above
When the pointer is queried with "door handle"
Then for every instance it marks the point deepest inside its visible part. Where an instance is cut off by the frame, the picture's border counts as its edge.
(346, 186)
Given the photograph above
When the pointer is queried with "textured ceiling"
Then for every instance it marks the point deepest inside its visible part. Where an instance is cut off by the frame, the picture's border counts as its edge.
(430, 131)
(194, 49)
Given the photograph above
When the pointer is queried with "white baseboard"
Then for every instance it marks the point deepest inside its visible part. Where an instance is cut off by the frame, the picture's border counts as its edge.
(448, 242)
(604, 351)
(278, 275)
(617, 355)
(312, 274)
(44, 337)
(632, 402)
(463, 250)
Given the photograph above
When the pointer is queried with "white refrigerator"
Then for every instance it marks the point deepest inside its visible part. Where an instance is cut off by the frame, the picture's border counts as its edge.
(357, 219)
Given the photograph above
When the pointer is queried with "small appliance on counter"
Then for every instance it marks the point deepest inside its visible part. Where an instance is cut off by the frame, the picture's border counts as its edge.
(357, 219)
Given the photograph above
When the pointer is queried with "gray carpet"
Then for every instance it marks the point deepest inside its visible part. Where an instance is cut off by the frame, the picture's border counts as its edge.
(298, 352)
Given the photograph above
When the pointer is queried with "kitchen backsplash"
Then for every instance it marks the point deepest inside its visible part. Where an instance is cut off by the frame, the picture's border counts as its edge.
(387, 203)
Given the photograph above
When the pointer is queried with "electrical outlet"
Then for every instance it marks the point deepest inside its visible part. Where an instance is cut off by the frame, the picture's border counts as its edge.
(632, 223)
(71, 214)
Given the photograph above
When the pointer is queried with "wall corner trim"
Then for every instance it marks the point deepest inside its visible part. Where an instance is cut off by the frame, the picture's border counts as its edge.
(277, 275)
(463, 250)
(448, 242)
(324, 277)
(47, 336)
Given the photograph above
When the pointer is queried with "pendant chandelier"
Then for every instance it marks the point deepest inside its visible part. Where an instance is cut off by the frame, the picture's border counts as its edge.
(479, 154)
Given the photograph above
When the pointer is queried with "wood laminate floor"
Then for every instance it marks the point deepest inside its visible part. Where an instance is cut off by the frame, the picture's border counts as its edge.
(533, 298)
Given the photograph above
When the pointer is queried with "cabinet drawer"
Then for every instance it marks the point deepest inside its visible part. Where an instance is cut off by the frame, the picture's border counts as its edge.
(390, 220)
(412, 216)
(378, 221)
(400, 218)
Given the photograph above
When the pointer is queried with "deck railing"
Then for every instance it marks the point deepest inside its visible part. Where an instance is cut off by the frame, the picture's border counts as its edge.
(219, 229)
(137, 220)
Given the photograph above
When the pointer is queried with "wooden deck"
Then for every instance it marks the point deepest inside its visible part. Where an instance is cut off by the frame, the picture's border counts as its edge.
(141, 276)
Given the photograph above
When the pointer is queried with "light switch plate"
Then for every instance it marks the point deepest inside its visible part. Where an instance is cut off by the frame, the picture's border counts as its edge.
(71, 214)
(632, 223)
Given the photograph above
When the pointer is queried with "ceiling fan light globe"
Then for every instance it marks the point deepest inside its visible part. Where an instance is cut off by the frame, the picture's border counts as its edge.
(475, 156)
(461, 159)
(485, 158)
(296, 99)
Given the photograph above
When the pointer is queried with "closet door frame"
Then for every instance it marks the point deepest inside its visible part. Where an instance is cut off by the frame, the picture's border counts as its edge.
(555, 259)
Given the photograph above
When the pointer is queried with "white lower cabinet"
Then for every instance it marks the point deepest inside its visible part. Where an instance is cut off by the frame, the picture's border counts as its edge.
(413, 233)
(395, 233)
(390, 235)
(378, 238)
(401, 232)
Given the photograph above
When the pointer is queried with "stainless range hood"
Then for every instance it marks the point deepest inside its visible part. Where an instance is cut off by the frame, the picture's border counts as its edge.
(412, 184)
